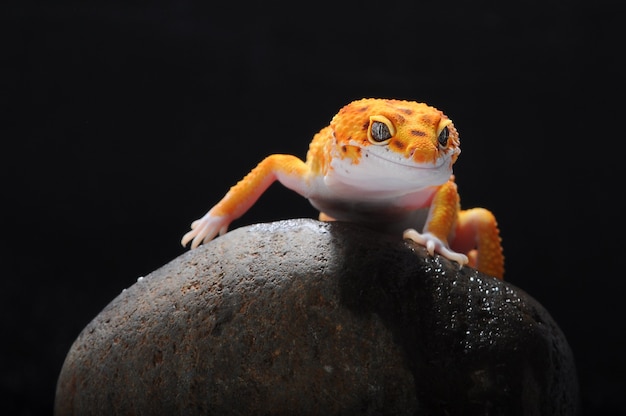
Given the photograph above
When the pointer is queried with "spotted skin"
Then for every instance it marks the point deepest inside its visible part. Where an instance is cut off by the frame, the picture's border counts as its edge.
(386, 164)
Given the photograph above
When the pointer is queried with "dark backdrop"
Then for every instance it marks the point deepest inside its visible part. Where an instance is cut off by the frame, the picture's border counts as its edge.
(124, 121)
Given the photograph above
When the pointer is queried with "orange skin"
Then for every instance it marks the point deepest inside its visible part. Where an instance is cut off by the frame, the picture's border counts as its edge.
(383, 163)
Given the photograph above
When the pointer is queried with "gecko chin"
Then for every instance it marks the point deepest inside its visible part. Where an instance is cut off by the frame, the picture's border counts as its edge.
(379, 174)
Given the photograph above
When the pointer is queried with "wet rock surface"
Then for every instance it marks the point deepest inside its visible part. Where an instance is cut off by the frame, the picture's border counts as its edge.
(303, 317)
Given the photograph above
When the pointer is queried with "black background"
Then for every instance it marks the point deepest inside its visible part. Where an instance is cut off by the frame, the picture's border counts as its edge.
(124, 121)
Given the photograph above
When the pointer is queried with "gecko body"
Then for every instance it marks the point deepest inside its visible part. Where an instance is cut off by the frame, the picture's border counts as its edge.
(383, 163)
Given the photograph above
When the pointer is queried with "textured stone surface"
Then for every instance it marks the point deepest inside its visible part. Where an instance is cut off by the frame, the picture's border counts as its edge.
(302, 317)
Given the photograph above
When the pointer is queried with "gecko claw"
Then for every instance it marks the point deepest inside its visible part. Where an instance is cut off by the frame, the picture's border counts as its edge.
(430, 247)
(205, 229)
(434, 245)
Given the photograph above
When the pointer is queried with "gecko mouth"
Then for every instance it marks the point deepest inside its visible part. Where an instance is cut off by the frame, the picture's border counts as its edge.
(407, 162)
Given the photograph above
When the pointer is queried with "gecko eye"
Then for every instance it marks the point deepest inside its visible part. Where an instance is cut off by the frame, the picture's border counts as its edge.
(380, 130)
(443, 137)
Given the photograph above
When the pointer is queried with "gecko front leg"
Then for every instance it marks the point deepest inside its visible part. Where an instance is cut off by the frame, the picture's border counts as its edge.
(288, 170)
(442, 217)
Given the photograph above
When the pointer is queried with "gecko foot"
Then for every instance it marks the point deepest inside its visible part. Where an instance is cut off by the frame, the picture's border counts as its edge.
(435, 245)
(205, 229)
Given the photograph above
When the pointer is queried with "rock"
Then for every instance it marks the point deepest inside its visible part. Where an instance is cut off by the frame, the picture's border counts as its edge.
(303, 317)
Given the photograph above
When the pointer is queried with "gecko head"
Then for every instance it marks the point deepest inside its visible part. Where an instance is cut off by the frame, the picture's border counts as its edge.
(394, 139)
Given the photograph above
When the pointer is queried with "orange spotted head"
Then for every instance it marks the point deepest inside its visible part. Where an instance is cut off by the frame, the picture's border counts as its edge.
(394, 141)
(411, 130)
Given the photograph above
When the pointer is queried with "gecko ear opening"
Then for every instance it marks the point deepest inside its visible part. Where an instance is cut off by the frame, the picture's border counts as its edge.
(380, 130)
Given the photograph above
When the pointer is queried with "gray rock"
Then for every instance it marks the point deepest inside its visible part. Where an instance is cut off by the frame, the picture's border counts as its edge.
(302, 317)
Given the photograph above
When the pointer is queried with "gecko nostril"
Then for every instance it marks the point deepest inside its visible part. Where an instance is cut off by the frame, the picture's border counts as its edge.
(423, 155)
(410, 153)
